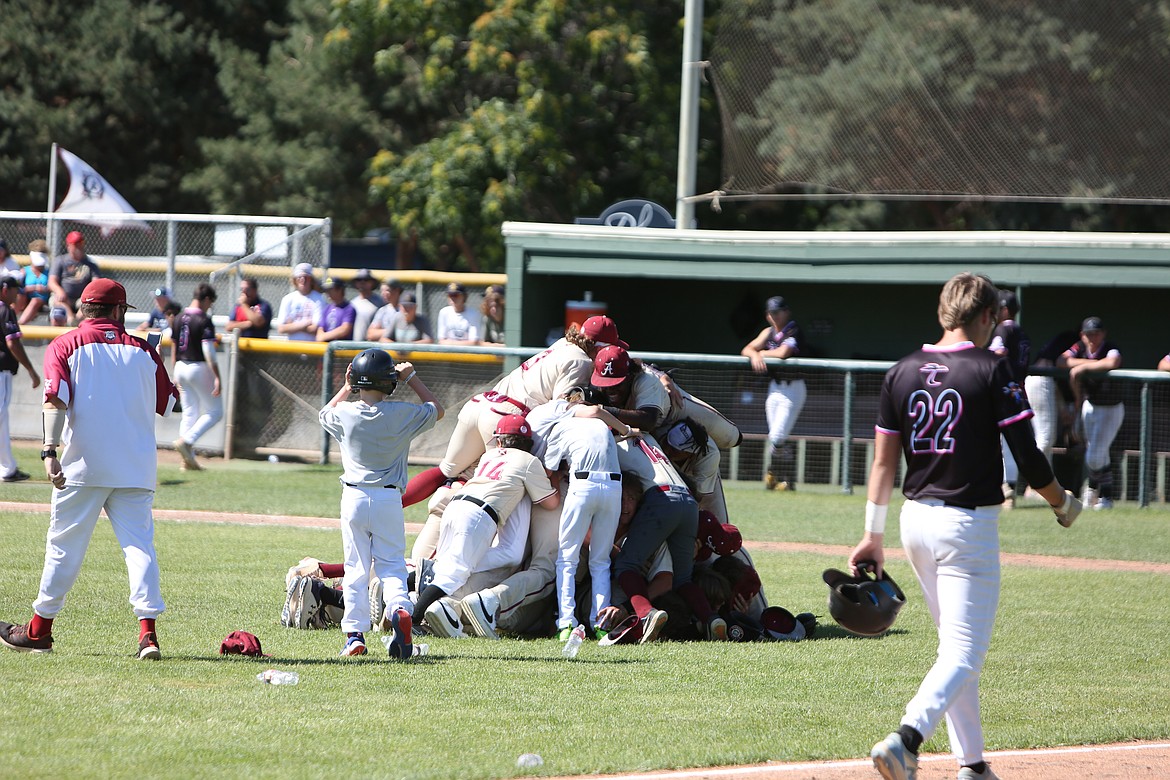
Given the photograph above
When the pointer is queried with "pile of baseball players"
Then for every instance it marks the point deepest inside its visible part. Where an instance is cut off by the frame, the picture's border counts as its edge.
(582, 489)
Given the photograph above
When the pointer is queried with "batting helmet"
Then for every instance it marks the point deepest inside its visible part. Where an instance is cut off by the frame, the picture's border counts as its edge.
(863, 605)
(373, 369)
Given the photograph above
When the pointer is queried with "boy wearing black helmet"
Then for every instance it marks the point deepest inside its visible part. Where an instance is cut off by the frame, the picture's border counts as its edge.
(375, 434)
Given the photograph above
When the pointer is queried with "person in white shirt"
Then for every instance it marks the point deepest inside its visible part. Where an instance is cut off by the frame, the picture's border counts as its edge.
(300, 310)
(457, 324)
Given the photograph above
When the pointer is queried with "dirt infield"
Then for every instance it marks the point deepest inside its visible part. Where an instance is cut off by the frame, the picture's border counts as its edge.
(1127, 761)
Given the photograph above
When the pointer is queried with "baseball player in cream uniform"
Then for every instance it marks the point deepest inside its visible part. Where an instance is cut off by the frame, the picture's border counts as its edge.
(504, 475)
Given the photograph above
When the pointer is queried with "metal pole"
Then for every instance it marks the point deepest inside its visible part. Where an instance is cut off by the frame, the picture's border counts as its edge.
(688, 115)
(1144, 448)
(172, 252)
(326, 394)
(233, 378)
(49, 229)
(847, 437)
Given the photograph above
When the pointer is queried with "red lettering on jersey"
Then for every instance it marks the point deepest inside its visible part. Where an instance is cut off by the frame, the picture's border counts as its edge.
(532, 361)
(491, 469)
(653, 453)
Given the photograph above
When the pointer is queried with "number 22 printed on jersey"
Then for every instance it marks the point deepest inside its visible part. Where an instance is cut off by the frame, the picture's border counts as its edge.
(933, 419)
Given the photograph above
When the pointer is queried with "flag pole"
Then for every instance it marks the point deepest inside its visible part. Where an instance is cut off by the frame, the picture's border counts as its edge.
(49, 227)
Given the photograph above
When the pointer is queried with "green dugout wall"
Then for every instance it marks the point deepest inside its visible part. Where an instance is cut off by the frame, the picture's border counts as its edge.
(856, 295)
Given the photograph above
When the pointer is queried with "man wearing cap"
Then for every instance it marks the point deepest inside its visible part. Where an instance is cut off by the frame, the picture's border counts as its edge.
(156, 320)
(391, 294)
(408, 326)
(458, 325)
(36, 282)
(339, 315)
(252, 316)
(12, 357)
(70, 274)
(366, 304)
(103, 388)
(781, 339)
(1099, 401)
(300, 310)
(196, 372)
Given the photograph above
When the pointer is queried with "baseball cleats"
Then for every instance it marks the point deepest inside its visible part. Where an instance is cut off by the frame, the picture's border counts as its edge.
(893, 760)
(967, 773)
(627, 632)
(306, 605)
(377, 606)
(655, 621)
(717, 629)
(16, 476)
(1089, 497)
(148, 647)
(401, 644)
(564, 634)
(1103, 503)
(188, 455)
(17, 638)
(355, 645)
(769, 482)
(288, 611)
(480, 610)
(443, 618)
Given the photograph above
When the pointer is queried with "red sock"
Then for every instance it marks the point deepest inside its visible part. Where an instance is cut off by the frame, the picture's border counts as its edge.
(423, 485)
(145, 626)
(333, 570)
(634, 584)
(39, 627)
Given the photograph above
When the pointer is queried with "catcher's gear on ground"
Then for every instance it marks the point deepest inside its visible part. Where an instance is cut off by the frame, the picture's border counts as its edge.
(1068, 511)
(863, 605)
(373, 369)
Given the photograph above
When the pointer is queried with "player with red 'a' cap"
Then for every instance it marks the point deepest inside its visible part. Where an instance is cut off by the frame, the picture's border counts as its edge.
(102, 387)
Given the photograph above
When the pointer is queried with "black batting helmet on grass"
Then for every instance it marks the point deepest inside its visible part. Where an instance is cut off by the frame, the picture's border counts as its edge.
(373, 369)
(863, 605)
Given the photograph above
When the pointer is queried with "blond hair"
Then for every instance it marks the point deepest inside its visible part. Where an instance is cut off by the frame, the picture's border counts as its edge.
(963, 298)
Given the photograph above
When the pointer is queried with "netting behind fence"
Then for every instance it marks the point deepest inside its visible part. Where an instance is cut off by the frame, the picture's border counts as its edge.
(982, 97)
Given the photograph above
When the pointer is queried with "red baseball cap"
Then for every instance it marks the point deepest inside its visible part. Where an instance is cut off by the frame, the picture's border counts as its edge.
(104, 291)
(513, 424)
(722, 538)
(603, 332)
(75, 237)
(242, 643)
(610, 367)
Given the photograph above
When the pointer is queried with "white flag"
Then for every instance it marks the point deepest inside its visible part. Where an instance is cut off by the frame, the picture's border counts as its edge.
(89, 193)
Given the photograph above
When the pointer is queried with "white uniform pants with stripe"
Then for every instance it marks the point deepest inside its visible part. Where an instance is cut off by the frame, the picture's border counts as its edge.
(201, 409)
(7, 460)
(464, 538)
(373, 543)
(593, 503)
(955, 556)
(72, 520)
(1102, 422)
(785, 400)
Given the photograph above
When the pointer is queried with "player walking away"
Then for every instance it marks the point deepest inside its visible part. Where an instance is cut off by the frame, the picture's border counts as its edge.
(196, 373)
(944, 406)
(544, 376)
(781, 339)
(1099, 401)
(504, 475)
(12, 357)
(1009, 340)
(374, 434)
(581, 434)
(102, 385)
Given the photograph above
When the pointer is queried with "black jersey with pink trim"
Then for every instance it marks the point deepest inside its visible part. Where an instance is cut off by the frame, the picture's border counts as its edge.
(192, 328)
(949, 405)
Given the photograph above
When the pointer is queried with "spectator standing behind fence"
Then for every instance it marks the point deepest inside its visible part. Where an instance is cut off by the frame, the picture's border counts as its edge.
(391, 294)
(1010, 340)
(300, 310)
(366, 304)
(492, 311)
(781, 339)
(156, 320)
(36, 282)
(339, 315)
(252, 316)
(196, 373)
(410, 327)
(457, 325)
(70, 274)
(1099, 400)
(12, 357)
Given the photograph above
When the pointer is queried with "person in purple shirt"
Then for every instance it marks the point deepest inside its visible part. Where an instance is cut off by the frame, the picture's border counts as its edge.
(339, 316)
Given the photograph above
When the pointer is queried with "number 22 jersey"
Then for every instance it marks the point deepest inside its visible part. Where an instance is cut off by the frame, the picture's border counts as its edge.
(949, 405)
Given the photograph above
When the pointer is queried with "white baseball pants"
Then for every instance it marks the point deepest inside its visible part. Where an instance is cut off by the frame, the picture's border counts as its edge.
(1102, 422)
(373, 543)
(591, 504)
(7, 460)
(955, 556)
(73, 517)
(782, 407)
(1041, 392)
(464, 538)
(201, 409)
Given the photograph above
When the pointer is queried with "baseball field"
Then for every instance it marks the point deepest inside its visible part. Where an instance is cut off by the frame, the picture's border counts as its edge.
(1081, 654)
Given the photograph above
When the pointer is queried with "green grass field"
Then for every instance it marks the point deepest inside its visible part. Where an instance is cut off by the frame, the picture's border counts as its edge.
(1079, 657)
